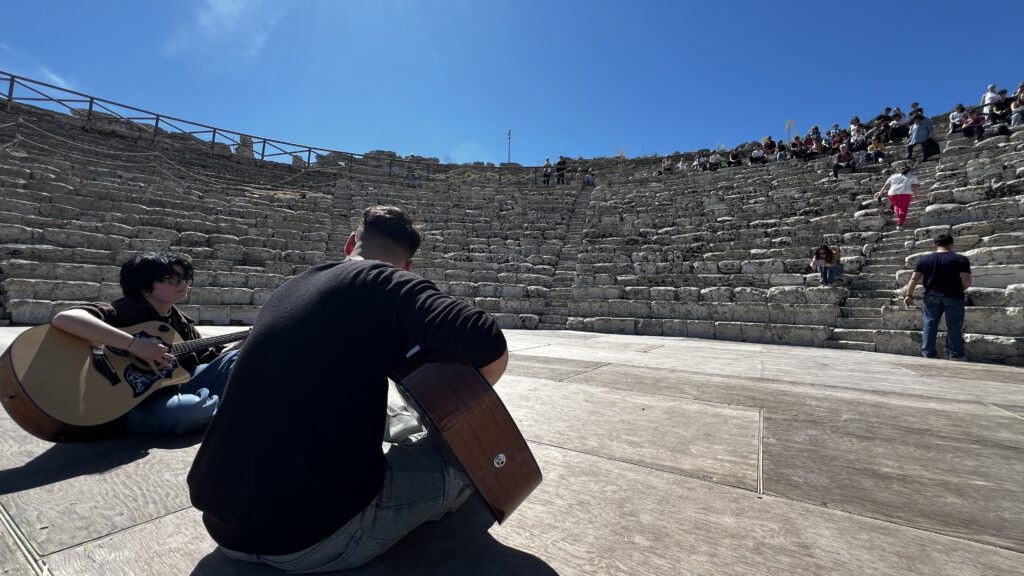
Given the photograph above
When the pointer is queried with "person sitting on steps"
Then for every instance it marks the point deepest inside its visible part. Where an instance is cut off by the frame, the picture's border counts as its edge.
(826, 261)
(296, 477)
(152, 283)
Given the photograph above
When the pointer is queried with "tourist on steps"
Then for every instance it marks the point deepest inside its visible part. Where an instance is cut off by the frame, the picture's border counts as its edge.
(946, 276)
(827, 262)
(902, 188)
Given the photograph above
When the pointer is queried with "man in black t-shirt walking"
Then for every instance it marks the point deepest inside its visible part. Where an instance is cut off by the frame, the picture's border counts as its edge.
(291, 472)
(946, 275)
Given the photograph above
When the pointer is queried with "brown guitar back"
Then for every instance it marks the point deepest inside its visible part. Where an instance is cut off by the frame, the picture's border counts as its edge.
(463, 408)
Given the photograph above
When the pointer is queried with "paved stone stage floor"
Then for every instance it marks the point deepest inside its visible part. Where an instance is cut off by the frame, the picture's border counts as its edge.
(661, 456)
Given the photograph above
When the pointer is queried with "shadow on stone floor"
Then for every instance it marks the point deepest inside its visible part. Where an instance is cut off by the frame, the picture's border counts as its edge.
(458, 545)
(65, 461)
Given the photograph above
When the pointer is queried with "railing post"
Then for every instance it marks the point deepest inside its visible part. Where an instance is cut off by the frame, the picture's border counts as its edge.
(263, 149)
(88, 115)
(309, 156)
(213, 140)
(10, 93)
(156, 127)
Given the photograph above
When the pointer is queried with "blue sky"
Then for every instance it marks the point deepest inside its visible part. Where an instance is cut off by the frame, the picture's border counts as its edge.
(449, 78)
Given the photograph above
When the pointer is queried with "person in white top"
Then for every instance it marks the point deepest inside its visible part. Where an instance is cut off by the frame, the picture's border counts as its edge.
(989, 97)
(902, 187)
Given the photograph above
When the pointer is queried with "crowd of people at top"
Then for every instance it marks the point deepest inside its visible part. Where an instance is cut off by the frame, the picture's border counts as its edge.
(865, 142)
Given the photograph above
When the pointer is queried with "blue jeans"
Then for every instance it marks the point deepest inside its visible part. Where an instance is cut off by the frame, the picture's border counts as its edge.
(935, 304)
(419, 486)
(829, 275)
(191, 409)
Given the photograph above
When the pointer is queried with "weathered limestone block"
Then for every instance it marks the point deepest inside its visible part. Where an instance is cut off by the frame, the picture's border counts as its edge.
(649, 327)
(488, 304)
(938, 214)
(910, 261)
(286, 269)
(998, 276)
(786, 280)
(1007, 349)
(75, 239)
(521, 305)
(748, 294)
(535, 280)
(230, 279)
(826, 295)
(190, 239)
(245, 315)
(255, 254)
(861, 237)
(688, 294)
(929, 233)
(228, 252)
(615, 325)
(261, 295)
(30, 311)
(732, 312)
(512, 291)
(462, 289)
(214, 314)
(109, 292)
(537, 292)
(83, 291)
(665, 294)
(797, 335)
(529, 321)
(989, 297)
(762, 266)
(1002, 239)
(18, 206)
(1015, 295)
(995, 211)
(138, 244)
(730, 266)
(677, 310)
(705, 267)
(157, 233)
(19, 288)
(236, 296)
(996, 255)
(806, 314)
(203, 296)
(853, 263)
(716, 294)
(787, 294)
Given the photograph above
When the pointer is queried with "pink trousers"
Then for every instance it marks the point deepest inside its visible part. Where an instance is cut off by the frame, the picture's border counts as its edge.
(900, 205)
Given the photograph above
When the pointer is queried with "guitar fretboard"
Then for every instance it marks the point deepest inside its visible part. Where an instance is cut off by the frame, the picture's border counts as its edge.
(202, 344)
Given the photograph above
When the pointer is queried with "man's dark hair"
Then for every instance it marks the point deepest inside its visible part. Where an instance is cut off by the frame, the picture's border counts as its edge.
(393, 224)
(145, 268)
(944, 240)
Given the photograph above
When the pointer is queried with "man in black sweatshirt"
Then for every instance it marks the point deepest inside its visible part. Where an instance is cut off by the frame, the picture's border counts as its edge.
(292, 471)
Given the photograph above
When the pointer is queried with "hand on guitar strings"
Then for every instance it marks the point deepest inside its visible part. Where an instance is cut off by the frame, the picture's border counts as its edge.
(151, 351)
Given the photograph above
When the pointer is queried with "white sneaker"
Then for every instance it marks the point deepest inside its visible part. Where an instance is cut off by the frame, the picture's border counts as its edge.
(899, 228)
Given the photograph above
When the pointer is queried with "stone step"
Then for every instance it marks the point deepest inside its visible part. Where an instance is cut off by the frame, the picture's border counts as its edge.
(857, 323)
(853, 302)
(853, 335)
(881, 268)
(850, 345)
(869, 293)
(860, 312)
(545, 326)
(554, 319)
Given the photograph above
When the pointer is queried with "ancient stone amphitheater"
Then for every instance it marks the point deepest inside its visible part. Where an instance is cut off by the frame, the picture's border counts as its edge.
(720, 255)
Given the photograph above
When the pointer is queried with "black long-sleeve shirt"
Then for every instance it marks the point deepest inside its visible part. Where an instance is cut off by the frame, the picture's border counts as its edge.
(295, 449)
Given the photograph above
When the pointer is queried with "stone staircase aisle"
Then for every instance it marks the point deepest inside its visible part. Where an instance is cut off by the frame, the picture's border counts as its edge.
(873, 288)
(556, 311)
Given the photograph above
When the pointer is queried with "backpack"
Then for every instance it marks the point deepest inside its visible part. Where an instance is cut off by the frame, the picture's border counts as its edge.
(836, 253)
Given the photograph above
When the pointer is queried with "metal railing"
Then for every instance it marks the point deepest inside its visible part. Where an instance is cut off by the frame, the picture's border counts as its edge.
(96, 111)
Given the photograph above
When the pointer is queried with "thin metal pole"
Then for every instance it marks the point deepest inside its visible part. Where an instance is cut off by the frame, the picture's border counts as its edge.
(509, 145)
(10, 93)
(213, 140)
(156, 127)
(309, 156)
(88, 115)
(263, 149)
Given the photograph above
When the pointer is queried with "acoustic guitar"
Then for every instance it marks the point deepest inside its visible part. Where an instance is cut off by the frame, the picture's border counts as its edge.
(461, 407)
(61, 388)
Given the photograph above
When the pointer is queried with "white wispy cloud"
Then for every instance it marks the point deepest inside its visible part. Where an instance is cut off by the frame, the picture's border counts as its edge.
(51, 77)
(234, 26)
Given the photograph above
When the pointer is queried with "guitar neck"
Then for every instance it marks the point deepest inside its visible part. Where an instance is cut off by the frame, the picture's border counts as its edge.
(191, 346)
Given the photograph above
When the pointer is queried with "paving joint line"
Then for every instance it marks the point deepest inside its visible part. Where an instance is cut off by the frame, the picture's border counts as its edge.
(22, 543)
(1002, 410)
(115, 532)
(760, 450)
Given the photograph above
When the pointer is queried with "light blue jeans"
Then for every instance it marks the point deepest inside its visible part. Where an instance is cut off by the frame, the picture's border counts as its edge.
(935, 304)
(191, 409)
(829, 275)
(419, 486)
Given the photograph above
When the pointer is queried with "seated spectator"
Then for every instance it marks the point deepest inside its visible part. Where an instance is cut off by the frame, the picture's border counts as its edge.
(666, 165)
(796, 147)
(588, 179)
(827, 262)
(812, 147)
(700, 162)
(876, 150)
(781, 154)
(920, 131)
(844, 159)
(1000, 109)
(769, 147)
(956, 119)
(989, 97)
(734, 159)
(858, 139)
(757, 155)
(826, 143)
(1017, 110)
(898, 128)
(879, 129)
(974, 125)
(714, 161)
(916, 107)
(683, 165)
(1020, 90)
